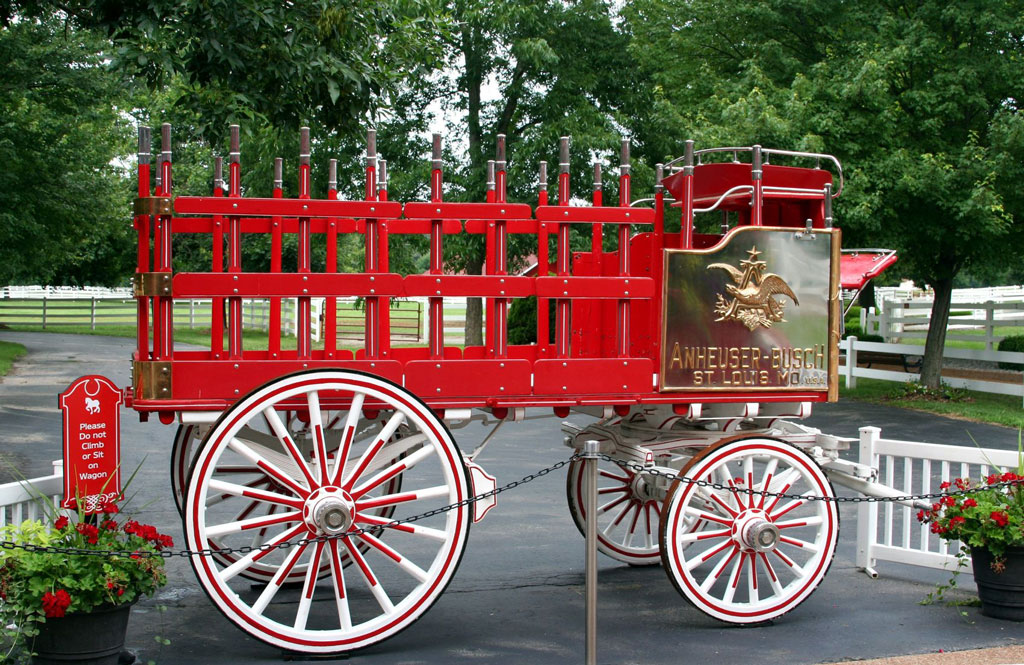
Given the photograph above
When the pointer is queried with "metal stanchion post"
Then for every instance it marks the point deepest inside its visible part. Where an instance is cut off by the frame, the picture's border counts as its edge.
(590, 454)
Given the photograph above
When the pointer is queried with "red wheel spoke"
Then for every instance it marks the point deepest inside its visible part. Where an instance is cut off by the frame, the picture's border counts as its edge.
(252, 557)
(312, 571)
(390, 472)
(252, 523)
(340, 596)
(251, 493)
(393, 424)
(402, 562)
(316, 424)
(281, 432)
(347, 434)
(275, 584)
(402, 497)
(371, 580)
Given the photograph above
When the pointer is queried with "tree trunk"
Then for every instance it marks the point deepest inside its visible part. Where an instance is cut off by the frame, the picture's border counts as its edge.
(931, 367)
(474, 309)
(473, 50)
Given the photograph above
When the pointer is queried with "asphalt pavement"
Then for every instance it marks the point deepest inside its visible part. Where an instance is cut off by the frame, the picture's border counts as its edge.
(518, 595)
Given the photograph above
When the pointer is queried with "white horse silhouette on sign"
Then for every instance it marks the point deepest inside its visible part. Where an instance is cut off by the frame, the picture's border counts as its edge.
(92, 405)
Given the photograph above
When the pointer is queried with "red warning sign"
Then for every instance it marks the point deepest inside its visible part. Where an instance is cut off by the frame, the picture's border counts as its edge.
(92, 442)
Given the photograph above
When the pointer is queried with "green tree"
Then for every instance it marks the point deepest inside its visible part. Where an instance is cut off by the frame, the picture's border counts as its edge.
(533, 71)
(919, 100)
(63, 139)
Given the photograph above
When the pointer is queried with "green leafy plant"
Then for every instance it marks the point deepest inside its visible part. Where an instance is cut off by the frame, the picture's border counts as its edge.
(918, 391)
(38, 586)
(1011, 343)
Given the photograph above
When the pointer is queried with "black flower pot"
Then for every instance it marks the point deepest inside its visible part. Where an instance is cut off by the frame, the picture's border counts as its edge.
(1001, 593)
(86, 638)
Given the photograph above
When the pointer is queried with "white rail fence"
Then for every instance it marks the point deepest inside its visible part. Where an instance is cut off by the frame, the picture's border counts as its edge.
(907, 319)
(854, 350)
(891, 532)
(22, 500)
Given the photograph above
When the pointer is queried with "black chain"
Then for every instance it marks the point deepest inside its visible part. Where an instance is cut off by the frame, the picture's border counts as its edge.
(374, 530)
(749, 491)
(379, 528)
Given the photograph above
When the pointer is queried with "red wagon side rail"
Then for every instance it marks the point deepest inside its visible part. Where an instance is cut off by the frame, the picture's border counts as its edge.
(608, 305)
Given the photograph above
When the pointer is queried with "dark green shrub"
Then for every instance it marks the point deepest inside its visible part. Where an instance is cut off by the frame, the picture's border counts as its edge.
(522, 321)
(1012, 343)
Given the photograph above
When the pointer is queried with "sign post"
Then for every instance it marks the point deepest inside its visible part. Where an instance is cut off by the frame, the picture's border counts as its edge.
(92, 443)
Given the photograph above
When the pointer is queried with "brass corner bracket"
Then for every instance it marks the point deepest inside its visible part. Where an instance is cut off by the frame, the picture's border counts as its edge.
(152, 284)
(151, 379)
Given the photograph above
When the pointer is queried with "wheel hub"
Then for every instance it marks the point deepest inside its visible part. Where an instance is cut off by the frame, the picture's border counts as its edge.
(641, 489)
(754, 531)
(329, 511)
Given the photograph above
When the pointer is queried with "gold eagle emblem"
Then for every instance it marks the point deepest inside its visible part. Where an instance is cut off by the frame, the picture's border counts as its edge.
(753, 302)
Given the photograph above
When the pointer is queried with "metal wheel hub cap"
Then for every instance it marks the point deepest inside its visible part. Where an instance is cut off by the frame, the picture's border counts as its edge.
(329, 511)
(752, 530)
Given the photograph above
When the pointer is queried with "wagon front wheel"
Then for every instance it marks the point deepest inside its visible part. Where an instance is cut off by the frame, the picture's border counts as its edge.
(759, 554)
(330, 507)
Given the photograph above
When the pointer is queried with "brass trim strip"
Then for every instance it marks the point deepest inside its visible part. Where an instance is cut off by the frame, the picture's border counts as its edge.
(152, 205)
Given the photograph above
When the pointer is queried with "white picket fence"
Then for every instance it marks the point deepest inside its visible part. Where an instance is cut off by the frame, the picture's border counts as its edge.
(851, 346)
(23, 499)
(889, 532)
(905, 319)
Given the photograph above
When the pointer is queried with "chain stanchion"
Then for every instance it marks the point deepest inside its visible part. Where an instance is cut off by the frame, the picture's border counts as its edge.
(591, 453)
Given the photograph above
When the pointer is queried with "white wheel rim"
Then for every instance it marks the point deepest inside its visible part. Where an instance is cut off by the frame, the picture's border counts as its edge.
(723, 574)
(418, 561)
(627, 525)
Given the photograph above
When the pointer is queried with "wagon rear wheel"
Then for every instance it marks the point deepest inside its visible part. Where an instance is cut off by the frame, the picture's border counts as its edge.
(397, 572)
(756, 556)
(627, 514)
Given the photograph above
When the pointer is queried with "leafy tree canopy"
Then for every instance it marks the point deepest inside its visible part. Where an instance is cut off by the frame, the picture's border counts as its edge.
(62, 139)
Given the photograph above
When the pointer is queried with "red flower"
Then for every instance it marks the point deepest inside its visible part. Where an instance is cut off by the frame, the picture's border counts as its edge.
(61, 522)
(948, 501)
(962, 483)
(109, 507)
(992, 479)
(109, 525)
(944, 485)
(1000, 517)
(91, 533)
(938, 528)
(55, 604)
(970, 503)
(954, 522)
(120, 592)
(165, 541)
(922, 516)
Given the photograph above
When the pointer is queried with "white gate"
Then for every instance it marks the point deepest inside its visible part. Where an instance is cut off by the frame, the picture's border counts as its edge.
(891, 532)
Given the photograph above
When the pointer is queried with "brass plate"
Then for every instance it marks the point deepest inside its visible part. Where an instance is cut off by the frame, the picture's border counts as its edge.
(151, 284)
(151, 379)
(757, 312)
(152, 205)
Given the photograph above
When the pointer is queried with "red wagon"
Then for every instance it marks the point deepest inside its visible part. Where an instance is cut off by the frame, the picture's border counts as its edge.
(696, 352)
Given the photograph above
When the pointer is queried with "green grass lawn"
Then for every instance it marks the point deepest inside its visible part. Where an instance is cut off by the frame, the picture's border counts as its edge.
(9, 352)
(999, 331)
(978, 407)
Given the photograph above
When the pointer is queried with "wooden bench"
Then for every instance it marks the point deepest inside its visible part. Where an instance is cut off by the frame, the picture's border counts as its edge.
(909, 362)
